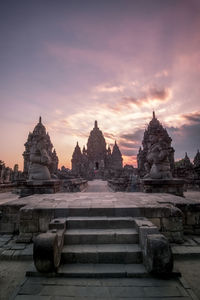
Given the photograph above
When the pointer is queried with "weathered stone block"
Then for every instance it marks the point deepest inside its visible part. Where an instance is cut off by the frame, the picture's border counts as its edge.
(26, 214)
(188, 229)
(197, 230)
(44, 213)
(142, 222)
(28, 226)
(144, 231)
(58, 224)
(43, 224)
(156, 222)
(171, 186)
(158, 257)
(7, 227)
(24, 238)
(193, 218)
(172, 224)
(174, 236)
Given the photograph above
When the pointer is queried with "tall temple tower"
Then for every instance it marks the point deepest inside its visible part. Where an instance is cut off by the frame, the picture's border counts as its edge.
(96, 148)
(39, 133)
(77, 160)
(116, 158)
(96, 161)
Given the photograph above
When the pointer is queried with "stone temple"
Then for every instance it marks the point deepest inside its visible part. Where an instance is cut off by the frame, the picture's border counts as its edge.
(97, 161)
(121, 238)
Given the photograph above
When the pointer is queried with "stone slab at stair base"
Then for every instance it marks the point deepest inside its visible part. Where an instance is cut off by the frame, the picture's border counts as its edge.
(170, 186)
(94, 271)
(31, 187)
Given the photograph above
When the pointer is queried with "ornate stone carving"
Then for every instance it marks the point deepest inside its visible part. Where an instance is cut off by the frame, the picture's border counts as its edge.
(156, 159)
(157, 165)
(40, 161)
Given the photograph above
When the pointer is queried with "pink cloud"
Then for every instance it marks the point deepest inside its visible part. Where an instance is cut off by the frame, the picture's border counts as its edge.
(153, 94)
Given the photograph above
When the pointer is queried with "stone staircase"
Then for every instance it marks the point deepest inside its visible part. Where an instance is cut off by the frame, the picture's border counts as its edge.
(101, 247)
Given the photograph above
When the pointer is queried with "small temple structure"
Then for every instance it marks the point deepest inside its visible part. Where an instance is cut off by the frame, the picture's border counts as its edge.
(189, 171)
(97, 161)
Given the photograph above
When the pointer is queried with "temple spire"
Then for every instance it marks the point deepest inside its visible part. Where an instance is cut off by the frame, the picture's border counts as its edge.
(40, 119)
(154, 116)
(95, 124)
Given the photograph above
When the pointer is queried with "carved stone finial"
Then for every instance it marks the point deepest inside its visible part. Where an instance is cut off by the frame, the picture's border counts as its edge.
(95, 124)
(154, 116)
(40, 119)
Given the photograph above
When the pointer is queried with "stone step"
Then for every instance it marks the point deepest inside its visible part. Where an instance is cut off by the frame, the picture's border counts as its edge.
(100, 222)
(95, 271)
(104, 253)
(101, 236)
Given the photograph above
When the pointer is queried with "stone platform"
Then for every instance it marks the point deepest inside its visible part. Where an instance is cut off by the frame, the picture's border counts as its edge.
(172, 186)
(172, 214)
(30, 187)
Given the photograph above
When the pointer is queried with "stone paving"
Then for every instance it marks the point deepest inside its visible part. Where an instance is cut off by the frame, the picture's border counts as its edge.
(97, 186)
(11, 250)
(7, 197)
(97, 200)
(104, 289)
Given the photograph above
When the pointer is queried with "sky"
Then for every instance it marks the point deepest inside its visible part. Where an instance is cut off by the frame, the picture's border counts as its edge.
(115, 61)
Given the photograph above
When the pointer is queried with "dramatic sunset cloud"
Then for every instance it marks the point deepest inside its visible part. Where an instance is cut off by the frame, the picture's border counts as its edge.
(74, 62)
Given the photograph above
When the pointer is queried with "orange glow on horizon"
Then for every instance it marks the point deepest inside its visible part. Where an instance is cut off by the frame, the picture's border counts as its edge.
(130, 160)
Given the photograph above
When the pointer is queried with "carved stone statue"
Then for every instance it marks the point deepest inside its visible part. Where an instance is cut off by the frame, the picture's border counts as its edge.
(157, 157)
(156, 147)
(156, 161)
(40, 164)
(39, 161)
(39, 134)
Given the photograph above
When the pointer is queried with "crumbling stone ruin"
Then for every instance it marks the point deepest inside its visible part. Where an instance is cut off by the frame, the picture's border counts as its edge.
(96, 161)
(9, 177)
(189, 171)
